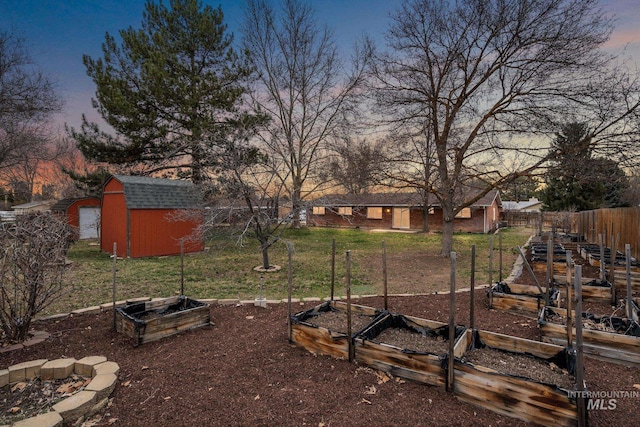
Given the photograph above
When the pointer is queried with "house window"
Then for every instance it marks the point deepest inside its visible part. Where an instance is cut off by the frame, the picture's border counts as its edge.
(374, 213)
(345, 210)
(318, 210)
(464, 213)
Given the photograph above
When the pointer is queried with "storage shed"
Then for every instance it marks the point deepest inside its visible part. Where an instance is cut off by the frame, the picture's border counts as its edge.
(141, 214)
(82, 213)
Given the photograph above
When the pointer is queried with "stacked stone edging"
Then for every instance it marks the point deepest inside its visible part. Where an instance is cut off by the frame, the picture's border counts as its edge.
(80, 405)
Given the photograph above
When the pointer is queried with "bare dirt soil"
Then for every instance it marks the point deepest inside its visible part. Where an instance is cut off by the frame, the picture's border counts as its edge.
(243, 372)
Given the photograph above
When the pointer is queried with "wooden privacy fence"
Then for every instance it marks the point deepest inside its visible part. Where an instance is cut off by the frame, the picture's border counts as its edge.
(622, 223)
(561, 221)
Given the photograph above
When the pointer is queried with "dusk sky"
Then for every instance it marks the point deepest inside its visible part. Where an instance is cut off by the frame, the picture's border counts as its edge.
(57, 33)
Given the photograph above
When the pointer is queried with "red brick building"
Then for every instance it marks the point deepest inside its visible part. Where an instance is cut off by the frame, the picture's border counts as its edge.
(400, 211)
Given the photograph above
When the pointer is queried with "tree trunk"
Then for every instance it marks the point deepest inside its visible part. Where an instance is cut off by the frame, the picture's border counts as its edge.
(447, 232)
(425, 218)
(296, 205)
(265, 257)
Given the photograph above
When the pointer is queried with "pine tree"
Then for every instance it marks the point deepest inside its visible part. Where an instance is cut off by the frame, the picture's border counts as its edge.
(172, 90)
(576, 180)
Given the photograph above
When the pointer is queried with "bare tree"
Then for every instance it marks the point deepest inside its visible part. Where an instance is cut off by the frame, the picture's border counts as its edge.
(489, 78)
(244, 197)
(355, 165)
(409, 164)
(32, 270)
(302, 84)
(27, 100)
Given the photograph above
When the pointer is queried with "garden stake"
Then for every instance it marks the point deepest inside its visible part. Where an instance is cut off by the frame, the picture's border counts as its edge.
(627, 251)
(290, 280)
(500, 257)
(580, 402)
(569, 305)
(490, 271)
(473, 285)
(184, 302)
(549, 269)
(115, 257)
(349, 337)
(333, 266)
(526, 264)
(384, 273)
(602, 260)
(614, 250)
(452, 324)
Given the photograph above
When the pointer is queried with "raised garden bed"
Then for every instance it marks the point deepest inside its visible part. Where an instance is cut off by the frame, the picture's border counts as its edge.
(323, 328)
(407, 347)
(519, 378)
(594, 290)
(614, 339)
(540, 252)
(156, 319)
(524, 300)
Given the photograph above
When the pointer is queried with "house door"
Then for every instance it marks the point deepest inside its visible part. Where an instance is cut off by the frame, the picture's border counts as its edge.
(400, 218)
(89, 221)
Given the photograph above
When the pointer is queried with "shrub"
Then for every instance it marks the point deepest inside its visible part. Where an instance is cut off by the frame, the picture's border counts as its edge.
(32, 270)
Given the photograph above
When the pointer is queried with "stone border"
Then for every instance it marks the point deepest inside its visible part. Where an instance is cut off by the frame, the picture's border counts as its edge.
(91, 399)
(37, 338)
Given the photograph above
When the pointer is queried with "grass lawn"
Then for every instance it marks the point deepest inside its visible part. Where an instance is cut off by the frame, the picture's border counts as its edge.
(225, 270)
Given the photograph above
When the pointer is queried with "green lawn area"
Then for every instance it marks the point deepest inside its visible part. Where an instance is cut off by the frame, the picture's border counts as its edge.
(225, 269)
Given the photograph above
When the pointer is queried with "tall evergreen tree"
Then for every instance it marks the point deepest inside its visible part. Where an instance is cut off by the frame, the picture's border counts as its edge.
(172, 91)
(578, 181)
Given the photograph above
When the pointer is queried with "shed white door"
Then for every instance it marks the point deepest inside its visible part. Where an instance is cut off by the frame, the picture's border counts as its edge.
(88, 220)
(400, 218)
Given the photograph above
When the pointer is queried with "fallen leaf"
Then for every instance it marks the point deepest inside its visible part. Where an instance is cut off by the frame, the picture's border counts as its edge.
(365, 401)
(112, 420)
(167, 398)
(383, 377)
(636, 386)
(144, 368)
(18, 386)
(371, 390)
(66, 388)
(126, 383)
(257, 397)
(14, 410)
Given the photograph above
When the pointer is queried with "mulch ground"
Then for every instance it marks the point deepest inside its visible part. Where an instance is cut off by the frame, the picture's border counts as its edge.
(243, 372)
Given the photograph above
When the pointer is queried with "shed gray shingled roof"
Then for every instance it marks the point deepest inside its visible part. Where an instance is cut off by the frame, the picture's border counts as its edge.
(143, 192)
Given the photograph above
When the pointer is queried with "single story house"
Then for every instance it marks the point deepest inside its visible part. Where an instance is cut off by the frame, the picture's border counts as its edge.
(32, 207)
(147, 216)
(402, 211)
(82, 213)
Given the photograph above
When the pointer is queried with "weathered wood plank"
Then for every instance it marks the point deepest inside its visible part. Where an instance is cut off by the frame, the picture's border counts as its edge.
(517, 397)
(420, 367)
(514, 397)
(523, 305)
(320, 340)
(519, 345)
(614, 347)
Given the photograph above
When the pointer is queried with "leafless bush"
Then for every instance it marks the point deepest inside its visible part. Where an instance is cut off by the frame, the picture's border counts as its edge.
(32, 270)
